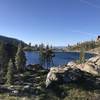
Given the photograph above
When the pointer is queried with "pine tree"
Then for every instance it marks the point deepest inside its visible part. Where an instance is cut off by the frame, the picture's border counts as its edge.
(3, 58)
(46, 57)
(36, 47)
(10, 73)
(82, 55)
(20, 59)
(42, 56)
(47, 47)
(51, 47)
(49, 57)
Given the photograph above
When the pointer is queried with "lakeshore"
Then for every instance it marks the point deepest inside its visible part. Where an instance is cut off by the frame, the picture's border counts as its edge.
(31, 84)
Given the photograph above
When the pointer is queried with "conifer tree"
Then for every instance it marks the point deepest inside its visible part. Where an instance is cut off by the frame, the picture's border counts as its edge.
(3, 58)
(20, 59)
(46, 57)
(82, 55)
(10, 73)
(47, 47)
(42, 56)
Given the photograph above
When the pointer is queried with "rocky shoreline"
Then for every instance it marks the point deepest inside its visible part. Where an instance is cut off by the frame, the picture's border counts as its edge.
(90, 52)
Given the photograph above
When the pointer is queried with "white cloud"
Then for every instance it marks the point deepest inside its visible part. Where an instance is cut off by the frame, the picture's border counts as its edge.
(85, 33)
(90, 4)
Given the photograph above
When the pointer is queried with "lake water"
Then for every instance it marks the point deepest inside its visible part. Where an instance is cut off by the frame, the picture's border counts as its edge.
(59, 59)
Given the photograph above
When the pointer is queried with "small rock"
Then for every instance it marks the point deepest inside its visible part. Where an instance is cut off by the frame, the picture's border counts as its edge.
(15, 92)
(27, 86)
(39, 87)
(71, 64)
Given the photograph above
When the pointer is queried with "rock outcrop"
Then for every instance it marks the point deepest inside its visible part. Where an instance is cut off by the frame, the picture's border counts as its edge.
(95, 63)
(73, 71)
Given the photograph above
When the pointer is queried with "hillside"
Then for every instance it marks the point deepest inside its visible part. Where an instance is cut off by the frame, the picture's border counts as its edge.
(9, 46)
(88, 46)
(13, 41)
(96, 50)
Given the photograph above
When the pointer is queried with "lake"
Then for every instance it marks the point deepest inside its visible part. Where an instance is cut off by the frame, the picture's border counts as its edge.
(59, 59)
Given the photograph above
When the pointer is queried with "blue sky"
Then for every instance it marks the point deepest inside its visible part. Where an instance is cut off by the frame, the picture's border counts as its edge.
(56, 22)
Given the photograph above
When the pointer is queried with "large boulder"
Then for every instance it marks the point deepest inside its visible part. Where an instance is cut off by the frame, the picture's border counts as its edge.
(73, 71)
(98, 62)
(50, 77)
(87, 68)
(72, 75)
(64, 76)
(95, 62)
(94, 59)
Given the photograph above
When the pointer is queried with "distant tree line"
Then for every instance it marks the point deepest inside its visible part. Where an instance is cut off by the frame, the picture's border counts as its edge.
(88, 45)
(36, 47)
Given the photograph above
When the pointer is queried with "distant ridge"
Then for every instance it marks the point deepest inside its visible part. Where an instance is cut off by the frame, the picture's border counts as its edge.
(10, 40)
